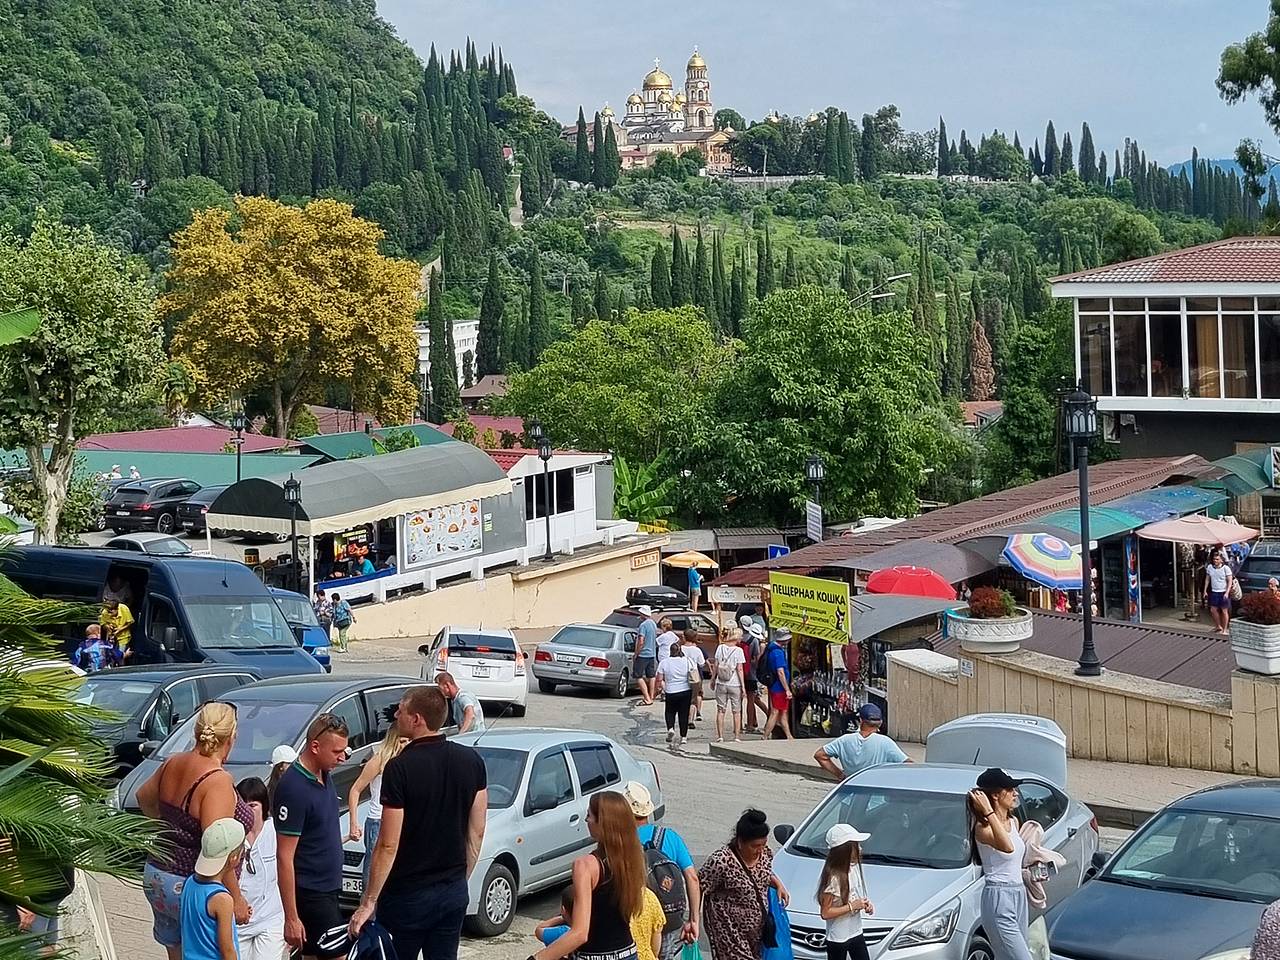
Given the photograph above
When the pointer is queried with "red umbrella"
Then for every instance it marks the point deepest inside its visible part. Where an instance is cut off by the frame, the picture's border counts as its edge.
(911, 582)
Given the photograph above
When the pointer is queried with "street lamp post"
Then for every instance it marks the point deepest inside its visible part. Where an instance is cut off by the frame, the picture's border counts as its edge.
(1080, 415)
(238, 424)
(815, 471)
(293, 497)
(544, 454)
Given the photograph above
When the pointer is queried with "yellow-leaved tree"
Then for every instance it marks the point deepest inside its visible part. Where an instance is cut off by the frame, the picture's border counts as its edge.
(277, 301)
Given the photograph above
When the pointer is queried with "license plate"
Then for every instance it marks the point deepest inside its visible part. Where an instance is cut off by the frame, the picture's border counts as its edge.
(480, 673)
(568, 658)
(353, 885)
(187, 525)
(122, 513)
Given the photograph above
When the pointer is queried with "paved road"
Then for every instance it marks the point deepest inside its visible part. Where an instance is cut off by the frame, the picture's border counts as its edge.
(704, 797)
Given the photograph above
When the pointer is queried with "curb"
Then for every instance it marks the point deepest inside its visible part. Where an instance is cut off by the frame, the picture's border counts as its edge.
(1108, 814)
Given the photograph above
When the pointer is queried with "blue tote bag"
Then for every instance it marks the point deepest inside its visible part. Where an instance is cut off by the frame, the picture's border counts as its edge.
(782, 930)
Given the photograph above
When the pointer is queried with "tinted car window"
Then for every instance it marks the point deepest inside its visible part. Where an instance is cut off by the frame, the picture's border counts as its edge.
(185, 697)
(596, 767)
(467, 645)
(219, 683)
(503, 769)
(261, 726)
(622, 618)
(550, 778)
(351, 711)
(382, 705)
(591, 637)
(1041, 803)
(119, 696)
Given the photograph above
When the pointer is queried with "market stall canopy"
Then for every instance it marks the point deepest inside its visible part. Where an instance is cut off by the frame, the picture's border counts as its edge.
(911, 582)
(991, 545)
(1241, 473)
(955, 563)
(872, 614)
(1045, 559)
(690, 558)
(1198, 529)
(347, 493)
(1163, 503)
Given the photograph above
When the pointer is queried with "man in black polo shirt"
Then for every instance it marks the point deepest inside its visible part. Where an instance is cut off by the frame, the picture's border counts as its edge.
(309, 838)
(434, 805)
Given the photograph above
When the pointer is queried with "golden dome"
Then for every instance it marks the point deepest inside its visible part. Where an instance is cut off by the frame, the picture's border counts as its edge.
(680, 100)
(664, 97)
(607, 111)
(634, 100)
(655, 79)
(696, 60)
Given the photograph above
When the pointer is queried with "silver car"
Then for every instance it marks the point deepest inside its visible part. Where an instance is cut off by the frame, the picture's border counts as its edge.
(540, 782)
(587, 655)
(920, 865)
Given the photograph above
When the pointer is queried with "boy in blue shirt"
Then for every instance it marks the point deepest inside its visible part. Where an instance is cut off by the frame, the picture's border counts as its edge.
(553, 928)
(695, 587)
(207, 911)
(779, 685)
(91, 656)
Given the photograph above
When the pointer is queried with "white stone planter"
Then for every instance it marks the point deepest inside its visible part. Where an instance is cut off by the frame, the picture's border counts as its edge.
(1002, 635)
(1256, 647)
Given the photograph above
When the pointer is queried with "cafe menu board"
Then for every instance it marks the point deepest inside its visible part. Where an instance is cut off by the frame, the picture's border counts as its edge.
(442, 533)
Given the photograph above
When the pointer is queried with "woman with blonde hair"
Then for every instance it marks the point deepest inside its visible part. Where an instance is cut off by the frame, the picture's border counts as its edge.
(608, 887)
(189, 792)
(371, 779)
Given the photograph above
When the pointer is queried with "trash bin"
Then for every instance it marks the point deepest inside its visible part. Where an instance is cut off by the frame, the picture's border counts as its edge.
(251, 557)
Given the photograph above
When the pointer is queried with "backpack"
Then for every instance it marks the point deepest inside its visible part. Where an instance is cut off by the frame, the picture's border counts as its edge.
(666, 880)
(725, 670)
(764, 675)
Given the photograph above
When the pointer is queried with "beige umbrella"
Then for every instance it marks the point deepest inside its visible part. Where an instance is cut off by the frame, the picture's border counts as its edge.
(1198, 528)
(690, 558)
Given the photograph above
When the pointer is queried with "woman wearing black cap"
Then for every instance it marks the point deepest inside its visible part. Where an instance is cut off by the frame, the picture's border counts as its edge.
(1000, 848)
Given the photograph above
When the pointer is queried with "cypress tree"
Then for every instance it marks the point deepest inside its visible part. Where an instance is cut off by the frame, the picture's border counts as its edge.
(468, 374)
(531, 199)
(489, 331)
(1066, 162)
(443, 375)
(848, 276)
(738, 293)
(681, 290)
(612, 161)
(598, 154)
(702, 296)
(1102, 168)
(579, 309)
(603, 308)
(1088, 162)
(879, 277)
(660, 280)
(944, 154)
(539, 323)
(830, 162)
(761, 291)
(791, 275)
(770, 274)
(582, 152)
(520, 339)
(1115, 170)
(959, 325)
(1051, 156)
(870, 159)
(844, 148)
(622, 302)
(644, 301)
(719, 280)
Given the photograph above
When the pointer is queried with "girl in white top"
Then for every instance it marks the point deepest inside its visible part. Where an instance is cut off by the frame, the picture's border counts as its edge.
(262, 938)
(842, 894)
(1004, 907)
(1217, 591)
(666, 639)
(726, 677)
(677, 686)
(693, 652)
(371, 778)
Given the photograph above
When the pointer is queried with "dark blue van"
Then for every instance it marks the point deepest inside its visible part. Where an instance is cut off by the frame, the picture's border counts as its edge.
(188, 609)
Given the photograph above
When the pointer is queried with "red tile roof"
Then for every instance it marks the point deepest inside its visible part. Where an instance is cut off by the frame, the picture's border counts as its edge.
(506, 459)
(490, 385)
(181, 440)
(1107, 482)
(973, 409)
(1237, 260)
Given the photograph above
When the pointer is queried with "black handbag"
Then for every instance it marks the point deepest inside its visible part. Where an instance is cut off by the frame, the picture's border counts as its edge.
(768, 926)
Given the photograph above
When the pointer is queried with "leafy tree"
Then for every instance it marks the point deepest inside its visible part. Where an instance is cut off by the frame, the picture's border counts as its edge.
(95, 351)
(538, 324)
(727, 119)
(998, 160)
(489, 330)
(633, 386)
(281, 300)
(1131, 236)
(659, 280)
(446, 401)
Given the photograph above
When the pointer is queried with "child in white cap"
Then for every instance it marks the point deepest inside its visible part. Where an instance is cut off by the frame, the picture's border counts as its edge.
(207, 913)
(842, 893)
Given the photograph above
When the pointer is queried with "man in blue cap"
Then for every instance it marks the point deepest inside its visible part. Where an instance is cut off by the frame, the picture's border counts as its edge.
(846, 755)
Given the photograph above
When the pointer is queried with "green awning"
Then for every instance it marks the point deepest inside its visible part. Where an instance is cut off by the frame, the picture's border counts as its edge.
(1104, 522)
(1242, 473)
(357, 443)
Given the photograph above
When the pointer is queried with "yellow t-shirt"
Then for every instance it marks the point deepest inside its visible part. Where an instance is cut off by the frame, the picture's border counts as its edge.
(649, 919)
(121, 625)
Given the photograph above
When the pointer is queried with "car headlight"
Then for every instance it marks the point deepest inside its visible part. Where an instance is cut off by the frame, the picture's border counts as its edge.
(936, 927)
(113, 798)
(1240, 953)
(319, 651)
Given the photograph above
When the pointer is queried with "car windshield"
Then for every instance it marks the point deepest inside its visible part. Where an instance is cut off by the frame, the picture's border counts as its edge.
(297, 610)
(261, 726)
(167, 547)
(503, 770)
(591, 637)
(1222, 855)
(122, 697)
(907, 827)
(238, 623)
(1261, 566)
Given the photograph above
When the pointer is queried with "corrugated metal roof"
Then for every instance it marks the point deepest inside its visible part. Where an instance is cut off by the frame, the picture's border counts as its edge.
(345, 446)
(954, 563)
(876, 612)
(1192, 659)
(1107, 481)
(1236, 260)
(747, 538)
(206, 469)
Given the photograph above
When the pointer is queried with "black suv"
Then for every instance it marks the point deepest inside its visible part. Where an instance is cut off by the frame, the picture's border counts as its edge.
(191, 514)
(148, 504)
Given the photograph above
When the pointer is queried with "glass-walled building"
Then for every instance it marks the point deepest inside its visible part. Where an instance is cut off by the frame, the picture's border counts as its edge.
(1182, 349)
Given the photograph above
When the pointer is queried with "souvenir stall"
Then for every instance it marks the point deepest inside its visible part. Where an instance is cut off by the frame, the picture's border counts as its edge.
(826, 680)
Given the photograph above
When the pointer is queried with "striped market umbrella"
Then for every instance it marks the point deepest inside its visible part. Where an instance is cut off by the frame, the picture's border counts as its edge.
(1044, 559)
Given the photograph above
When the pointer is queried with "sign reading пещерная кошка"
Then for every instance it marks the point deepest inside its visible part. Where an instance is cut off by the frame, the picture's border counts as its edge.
(809, 607)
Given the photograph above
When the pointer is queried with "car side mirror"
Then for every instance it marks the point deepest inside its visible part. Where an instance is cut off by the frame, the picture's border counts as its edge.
(170, 638)
(1096, 863)
(425, 649)
(148, 747)
(783, 832)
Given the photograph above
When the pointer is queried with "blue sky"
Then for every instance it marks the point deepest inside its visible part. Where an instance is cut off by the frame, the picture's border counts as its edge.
(1137, 68)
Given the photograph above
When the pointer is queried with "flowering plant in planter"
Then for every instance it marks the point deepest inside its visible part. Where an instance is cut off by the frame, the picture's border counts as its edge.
(991, 603)
(1255, 634)
(1262, 608)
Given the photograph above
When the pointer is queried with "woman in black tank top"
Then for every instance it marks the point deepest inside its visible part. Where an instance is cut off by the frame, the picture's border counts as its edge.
(608, 885)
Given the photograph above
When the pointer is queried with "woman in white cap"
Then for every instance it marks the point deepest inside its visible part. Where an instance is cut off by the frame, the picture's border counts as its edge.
(842, 893)
(1004, 906)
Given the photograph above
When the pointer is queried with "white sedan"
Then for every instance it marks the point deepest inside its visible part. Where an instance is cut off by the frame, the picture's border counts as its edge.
(484, 661)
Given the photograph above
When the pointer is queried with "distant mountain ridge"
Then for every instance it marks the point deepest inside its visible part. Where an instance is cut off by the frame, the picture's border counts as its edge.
(1226, 165)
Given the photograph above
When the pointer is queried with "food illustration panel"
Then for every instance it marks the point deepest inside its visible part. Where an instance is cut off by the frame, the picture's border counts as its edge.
(442, 533)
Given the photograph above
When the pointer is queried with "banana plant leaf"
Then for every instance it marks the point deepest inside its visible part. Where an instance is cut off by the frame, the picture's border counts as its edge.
(18, 324)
